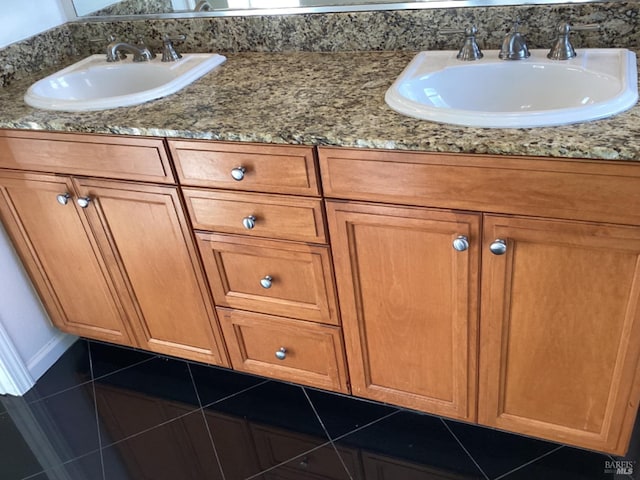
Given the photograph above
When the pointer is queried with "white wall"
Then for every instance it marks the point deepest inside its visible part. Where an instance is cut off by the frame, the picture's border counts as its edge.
(29, 344)
(25, 18)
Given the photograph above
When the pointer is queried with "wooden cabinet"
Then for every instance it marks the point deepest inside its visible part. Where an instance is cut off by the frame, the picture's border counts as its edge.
(62, 256)
(154, 250)
(285, 348)
(498, 290)
(558, 355)
(409, 304)
(266, 258)
(112, 260)
(560, 327)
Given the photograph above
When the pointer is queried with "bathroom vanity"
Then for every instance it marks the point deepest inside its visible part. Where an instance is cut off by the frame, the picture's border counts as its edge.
(277, 218)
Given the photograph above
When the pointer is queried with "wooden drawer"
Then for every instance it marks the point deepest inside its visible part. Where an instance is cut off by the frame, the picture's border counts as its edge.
(267, 168)
(278, 447)
(572, 189)
(128, 158)
(314, 353)
(277, 216)
(300, 282)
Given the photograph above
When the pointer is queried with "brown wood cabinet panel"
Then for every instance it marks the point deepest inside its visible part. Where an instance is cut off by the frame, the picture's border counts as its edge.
(129, 158)
(570, 189)
(561, 331)
(145, 226)
(409, 304)
(300, 276)
(58, 249)
(276, 216)
(267, 168)
(314, 353)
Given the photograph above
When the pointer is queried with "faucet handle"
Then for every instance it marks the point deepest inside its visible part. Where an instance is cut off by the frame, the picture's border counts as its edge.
(169, 53)
(562, 48)
(470, 49)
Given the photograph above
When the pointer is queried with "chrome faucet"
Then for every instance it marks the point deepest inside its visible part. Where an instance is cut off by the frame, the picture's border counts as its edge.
(514, 45)
(169, 53)
(470, 49)
(140, 52)
(562, 48)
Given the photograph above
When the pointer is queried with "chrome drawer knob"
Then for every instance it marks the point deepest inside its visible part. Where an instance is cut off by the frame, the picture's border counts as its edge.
(238, 173)
(266, 282)
(84, 202)
(281, 354)
(249, 222)
(498, 247)
(63, 198)
(461, 243)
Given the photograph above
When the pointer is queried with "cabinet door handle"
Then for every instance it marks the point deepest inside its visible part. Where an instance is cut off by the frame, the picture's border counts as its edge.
(249, 222)
(266, 282)
(281, 354)
(84, 201)
(461, 243)
(63, 198)
(238, 173)
(498, 247)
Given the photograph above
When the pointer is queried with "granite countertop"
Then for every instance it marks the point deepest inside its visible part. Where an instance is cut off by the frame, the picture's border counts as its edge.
(320, 99)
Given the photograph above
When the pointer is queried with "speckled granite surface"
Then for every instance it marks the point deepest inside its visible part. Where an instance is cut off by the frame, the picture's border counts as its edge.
(324, 99)
(411, 30)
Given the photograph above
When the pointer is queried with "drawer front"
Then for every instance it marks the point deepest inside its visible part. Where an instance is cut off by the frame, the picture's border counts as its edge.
(572, 189)
(143, 159)
(260, 168)
(311, 354)
(281, 278)
(276, 216)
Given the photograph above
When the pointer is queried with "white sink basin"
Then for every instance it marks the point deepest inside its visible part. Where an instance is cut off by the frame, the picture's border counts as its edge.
(95, 84)
(535, 92)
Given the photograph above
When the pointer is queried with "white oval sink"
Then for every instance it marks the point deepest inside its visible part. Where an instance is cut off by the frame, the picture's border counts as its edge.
(95, 84)
(535, 92)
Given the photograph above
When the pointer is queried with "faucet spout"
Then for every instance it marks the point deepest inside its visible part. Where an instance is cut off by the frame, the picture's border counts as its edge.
(140, 53)
(514, 45)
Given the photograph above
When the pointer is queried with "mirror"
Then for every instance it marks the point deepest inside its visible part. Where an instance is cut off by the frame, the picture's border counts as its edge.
(95, 8)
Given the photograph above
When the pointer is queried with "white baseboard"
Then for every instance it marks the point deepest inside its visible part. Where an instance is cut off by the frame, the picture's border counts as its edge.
(49, 354)
(15, 377)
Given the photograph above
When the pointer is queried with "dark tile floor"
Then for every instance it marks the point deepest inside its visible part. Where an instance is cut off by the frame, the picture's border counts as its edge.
(109, 413)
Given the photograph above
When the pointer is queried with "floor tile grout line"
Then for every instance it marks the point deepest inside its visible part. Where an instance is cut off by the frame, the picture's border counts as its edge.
(244, 390)
(66, 462)
(147, 430)
(326, 432)
(41, 399)
(464, 448)
(340, 437)
(266, 470)
(127, 367)
(529, 462)
(322, 445)
(95, 406)
(206, 424)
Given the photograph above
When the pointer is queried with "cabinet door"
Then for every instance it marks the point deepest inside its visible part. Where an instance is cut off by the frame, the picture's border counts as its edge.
(409, 304)
(561, 331)
(59, 251)
(145, 227)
